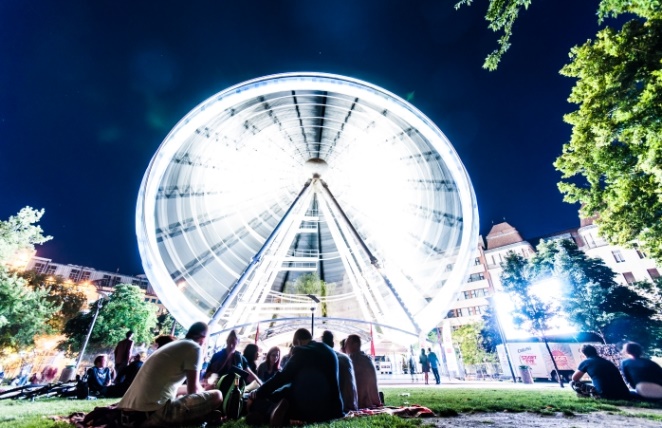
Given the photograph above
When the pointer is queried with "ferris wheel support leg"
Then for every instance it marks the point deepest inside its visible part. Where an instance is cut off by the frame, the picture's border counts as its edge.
(255, 261)
(373, 259)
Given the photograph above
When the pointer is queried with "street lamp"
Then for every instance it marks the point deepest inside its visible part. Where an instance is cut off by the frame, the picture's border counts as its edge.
(312, 312)
(89, 331)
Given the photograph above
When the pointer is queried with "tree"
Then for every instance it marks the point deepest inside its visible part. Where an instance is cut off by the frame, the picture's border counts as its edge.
(589, 296)
(502, 14)
(652, 291)
(531, 312)
(64, 296)
(489, 332)
(125, 309)
(20, 233)
(613, 162)
(311, 283)
(468, 338)
(164, 325)
(586, 283)
(23, 312)
(592, 299)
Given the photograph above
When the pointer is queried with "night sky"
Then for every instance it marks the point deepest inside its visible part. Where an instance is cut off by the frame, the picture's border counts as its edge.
(89, 89)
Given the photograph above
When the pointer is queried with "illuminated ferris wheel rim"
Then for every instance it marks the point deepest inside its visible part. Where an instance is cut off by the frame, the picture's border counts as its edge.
(214, 106)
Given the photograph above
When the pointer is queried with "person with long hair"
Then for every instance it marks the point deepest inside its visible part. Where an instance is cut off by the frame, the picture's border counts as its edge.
(251, 354)
(271, 366)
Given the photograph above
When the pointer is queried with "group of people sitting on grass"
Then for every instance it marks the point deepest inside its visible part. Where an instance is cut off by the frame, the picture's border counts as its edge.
(638, 378)
(104, 381)
(313, 383)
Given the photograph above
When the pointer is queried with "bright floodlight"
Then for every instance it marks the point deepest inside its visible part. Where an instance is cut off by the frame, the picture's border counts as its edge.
(305, 173)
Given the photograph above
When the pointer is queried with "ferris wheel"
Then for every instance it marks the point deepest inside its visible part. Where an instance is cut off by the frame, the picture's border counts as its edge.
(306, 194)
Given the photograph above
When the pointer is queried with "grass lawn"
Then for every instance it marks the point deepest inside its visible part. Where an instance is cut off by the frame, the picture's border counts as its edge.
(444, 402)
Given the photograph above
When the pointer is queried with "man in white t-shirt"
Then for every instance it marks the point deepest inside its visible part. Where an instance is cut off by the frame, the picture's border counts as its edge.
(152, 397)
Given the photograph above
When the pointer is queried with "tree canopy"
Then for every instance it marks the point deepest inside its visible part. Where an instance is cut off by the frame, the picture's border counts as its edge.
(587, 294)
(468, 339)
(502, 14)
(310, 283)
(24, 310)
(531, 312)
(20, 233)
(124, 309)
(613, 162)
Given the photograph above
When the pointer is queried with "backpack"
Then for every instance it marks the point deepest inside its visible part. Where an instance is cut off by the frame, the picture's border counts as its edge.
(232, 387)
(82, 388)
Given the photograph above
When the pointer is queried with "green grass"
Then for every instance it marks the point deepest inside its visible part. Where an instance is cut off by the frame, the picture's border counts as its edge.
(27, 414)
(444, 402)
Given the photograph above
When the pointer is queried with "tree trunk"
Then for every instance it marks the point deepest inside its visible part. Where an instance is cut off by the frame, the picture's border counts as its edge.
(558, 373)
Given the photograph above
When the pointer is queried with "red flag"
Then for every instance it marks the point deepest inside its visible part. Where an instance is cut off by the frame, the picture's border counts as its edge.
(372, 343)
(257, 333)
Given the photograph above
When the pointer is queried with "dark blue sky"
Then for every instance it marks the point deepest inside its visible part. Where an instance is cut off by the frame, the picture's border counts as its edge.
(89, 89)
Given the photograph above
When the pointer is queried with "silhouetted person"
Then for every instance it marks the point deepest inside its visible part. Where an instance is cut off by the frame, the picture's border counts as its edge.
(228, 360)
(606, 379)
(124, 381)
(123, 352)
(306, 389)
(642, 374)
(412, 366)
(433, 360)
(251, 354)
(364, 372)
(152, 397)
(345, 376)
(164, 339)
(425, 365)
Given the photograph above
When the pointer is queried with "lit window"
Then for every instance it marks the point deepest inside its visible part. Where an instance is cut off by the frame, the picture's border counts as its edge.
(618, 256)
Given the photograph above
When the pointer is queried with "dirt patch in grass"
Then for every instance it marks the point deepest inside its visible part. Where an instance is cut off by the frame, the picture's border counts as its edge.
(641, 418)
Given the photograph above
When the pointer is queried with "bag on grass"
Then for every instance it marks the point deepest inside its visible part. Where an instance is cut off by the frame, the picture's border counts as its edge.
(232, 387)
(82, 388)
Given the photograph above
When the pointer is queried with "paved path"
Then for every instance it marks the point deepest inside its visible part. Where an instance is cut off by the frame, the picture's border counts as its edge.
(403, 380)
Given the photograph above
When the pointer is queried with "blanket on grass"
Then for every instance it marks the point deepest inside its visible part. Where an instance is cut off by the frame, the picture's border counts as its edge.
(109, 417)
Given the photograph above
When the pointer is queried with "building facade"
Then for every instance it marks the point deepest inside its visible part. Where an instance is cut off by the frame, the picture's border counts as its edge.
(102, 281)
(629, 264)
